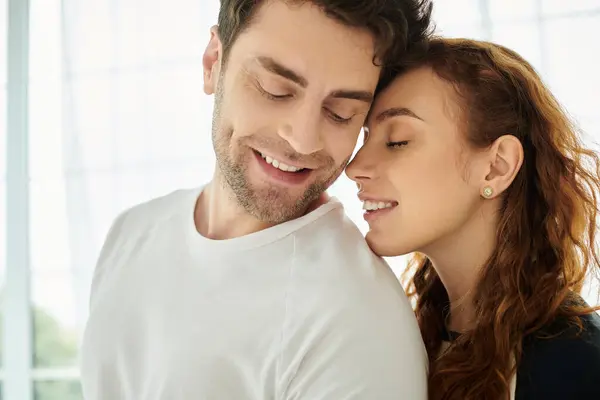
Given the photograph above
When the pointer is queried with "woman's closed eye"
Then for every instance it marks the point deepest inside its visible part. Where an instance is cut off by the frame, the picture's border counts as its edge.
(397, 144)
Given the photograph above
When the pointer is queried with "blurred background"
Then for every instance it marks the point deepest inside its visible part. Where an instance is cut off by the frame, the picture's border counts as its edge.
(101, 107)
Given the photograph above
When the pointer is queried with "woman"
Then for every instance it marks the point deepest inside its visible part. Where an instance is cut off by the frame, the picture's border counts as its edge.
(469, 161)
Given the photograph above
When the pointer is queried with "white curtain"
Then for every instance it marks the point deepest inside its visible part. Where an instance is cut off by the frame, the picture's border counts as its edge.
(118, 114)
(137, 124)
(3, 72)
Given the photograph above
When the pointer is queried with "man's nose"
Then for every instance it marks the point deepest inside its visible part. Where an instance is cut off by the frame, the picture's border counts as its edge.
(303, 131)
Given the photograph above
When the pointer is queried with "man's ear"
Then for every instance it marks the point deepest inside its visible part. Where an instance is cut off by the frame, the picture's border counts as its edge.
(211, 61)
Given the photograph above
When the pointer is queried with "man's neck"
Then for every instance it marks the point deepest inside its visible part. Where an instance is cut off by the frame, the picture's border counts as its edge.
(219, 216)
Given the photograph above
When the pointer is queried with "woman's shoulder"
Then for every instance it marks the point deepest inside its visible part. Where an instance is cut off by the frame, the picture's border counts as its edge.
(561, 361)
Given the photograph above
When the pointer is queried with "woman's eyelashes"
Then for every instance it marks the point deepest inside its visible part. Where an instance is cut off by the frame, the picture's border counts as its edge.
(397, 144)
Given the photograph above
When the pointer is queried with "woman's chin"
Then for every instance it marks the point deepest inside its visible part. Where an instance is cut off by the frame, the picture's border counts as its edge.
(385, 246)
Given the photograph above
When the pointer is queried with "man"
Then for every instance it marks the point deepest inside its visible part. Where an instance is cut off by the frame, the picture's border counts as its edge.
(257, 286)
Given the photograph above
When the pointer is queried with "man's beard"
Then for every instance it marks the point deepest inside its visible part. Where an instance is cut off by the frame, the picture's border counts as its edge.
(271, 204)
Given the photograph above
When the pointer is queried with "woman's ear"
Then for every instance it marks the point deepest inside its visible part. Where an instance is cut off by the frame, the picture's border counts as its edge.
(505, 161)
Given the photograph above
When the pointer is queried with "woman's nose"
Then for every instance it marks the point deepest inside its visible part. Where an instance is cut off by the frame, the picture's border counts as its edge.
(360, 168)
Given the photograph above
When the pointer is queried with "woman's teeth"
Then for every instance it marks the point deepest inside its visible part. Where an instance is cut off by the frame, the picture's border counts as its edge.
(376, 205)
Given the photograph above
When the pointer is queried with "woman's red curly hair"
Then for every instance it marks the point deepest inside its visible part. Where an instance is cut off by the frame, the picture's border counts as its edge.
(545, 244)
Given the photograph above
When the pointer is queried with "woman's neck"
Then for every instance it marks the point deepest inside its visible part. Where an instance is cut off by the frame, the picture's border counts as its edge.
(458, 261)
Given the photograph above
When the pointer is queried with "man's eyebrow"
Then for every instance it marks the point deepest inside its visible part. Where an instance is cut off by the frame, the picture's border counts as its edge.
(361, 95)
(396, 112)
(277, 68)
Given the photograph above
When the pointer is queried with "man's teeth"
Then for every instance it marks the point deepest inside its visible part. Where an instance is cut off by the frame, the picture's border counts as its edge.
(280, 165)
(376, 205)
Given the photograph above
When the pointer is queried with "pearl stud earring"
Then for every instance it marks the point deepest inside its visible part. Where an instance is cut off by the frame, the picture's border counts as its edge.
(488, 192)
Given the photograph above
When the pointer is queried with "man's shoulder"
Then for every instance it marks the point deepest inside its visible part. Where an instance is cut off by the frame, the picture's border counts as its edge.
(348, 307)
(333, 232)
(138, 221)
(348, 271)
(164, 206)
(141, 219)
(335, 241)
(149, 213)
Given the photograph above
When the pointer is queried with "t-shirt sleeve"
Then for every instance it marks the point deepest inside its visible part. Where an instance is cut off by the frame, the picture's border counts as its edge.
(367, 354)
(108, 253)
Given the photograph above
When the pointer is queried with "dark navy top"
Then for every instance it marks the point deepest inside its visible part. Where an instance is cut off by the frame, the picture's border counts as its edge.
(563, 366)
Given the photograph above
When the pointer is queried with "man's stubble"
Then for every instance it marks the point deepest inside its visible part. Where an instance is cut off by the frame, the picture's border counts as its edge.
(270, 204)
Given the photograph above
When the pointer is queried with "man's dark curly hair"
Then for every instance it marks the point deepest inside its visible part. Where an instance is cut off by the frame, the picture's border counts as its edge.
(401, 27)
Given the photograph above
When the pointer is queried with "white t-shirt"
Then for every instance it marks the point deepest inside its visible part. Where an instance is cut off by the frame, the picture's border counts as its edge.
(302, 311)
